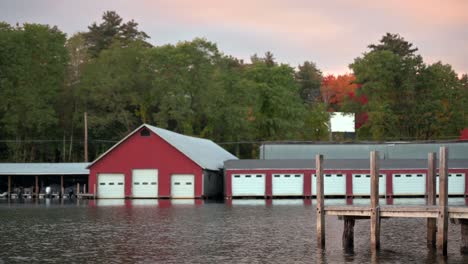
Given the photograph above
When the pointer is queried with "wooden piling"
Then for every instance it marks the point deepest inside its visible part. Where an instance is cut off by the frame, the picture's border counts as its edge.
(62, 190)
(464, 236)
(431, 199)
(77, 189)
(375, 209)
(36, 189)
(442, 220)
(9, 185)
(320, 202)
(348, 233)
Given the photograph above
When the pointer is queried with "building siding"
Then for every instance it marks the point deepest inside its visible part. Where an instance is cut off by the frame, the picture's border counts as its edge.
(389, 192)
(151, 152)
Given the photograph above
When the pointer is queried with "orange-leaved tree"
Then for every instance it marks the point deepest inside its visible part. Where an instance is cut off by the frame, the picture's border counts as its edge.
(335, 89)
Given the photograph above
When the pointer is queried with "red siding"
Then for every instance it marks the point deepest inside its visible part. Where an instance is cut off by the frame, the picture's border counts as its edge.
(269, 184)
(151, 152)
(349, 184)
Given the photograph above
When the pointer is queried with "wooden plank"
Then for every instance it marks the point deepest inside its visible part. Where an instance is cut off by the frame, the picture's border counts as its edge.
(442, 220)
(396, 208)
(349, 213)
(375, 210)
(346, 207)
(397, 214)
(462, 210)
(320, 202)
(348, 234)
(431, 199)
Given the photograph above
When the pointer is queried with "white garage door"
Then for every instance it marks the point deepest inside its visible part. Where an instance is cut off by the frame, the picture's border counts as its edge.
(182, 186)
(145, 183)
(111, 185)
(334, 184)
(248, 185)
(456, 184)
(361, 184)
(288, 184)
(409, 184)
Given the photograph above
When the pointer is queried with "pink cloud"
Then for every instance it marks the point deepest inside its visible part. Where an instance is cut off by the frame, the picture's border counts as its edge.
(430, 12)
(263, 16)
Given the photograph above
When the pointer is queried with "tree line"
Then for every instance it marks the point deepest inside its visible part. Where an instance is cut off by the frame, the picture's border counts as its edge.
(112, 72)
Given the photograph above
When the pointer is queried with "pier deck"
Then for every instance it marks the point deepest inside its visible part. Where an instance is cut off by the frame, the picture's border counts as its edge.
(387, 211)
(437, 215)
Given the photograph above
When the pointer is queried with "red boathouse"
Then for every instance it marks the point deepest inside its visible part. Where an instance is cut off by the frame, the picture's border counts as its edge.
(152, 162)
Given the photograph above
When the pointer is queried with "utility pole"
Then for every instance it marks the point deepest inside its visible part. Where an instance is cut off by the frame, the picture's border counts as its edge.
(85, 136)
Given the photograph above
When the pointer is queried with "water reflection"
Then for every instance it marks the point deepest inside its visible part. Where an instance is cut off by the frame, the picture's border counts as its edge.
(182, 231)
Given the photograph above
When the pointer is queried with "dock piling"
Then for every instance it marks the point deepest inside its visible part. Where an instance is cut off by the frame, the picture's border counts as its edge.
(464, 236)
(320, 202)
(9, 186)
(439, 213)
(62, 190)
(375, 209)
(442, 219)
(431, 199)
(348, 233)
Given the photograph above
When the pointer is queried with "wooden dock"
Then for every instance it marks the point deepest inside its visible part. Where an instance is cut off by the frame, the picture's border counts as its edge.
(437, 216)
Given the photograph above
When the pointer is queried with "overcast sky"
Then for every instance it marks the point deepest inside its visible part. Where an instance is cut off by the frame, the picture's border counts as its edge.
(330, 33)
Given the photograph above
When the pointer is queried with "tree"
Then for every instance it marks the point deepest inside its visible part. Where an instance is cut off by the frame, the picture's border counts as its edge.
(184, 75)
(315, 123)
(101, 36)
(388, 78)
(115, 90)
(334, 90)
(439, 111)
(396, 44)
(407, 99)
(233, 118)
(70, 112)
(32, 62)
(309, 78)
(279, 110)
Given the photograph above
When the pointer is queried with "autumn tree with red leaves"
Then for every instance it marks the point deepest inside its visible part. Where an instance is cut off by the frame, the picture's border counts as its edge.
(335, 89)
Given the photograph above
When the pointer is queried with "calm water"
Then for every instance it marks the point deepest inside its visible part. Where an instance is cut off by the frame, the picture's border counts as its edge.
(241, 231)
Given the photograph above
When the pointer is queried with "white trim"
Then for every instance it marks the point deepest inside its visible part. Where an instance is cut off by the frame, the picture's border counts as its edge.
(399, 169)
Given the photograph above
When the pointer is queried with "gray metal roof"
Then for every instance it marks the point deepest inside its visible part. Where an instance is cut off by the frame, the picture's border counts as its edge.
(44, 168)
(203, 152)
(393, 150)
(351, 164)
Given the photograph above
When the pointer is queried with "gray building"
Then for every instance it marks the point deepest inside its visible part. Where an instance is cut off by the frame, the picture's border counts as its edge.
(387, 150)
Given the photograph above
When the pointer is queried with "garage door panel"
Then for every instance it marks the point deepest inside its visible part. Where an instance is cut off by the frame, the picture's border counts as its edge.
(409, 184)
(288, 184)
(183, 186)
(456, 183)
(361, 184)
(248, 185)
(111, 185)
(334, 184)
(145, 183)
